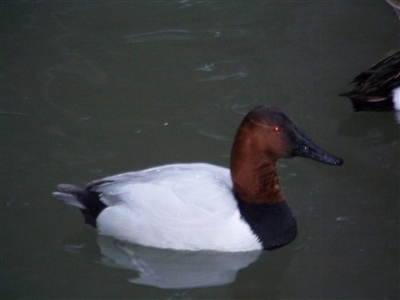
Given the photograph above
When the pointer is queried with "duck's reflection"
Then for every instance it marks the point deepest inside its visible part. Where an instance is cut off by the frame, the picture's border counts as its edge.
(169, 269)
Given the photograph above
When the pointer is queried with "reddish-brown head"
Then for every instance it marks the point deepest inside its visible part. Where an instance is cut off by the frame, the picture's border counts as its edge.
(265, 129)
(265, 135)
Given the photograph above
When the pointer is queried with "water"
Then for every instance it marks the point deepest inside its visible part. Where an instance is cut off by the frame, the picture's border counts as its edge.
(91, 89)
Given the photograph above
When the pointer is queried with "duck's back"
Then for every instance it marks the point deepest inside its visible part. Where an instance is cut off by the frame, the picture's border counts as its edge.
(181, 206)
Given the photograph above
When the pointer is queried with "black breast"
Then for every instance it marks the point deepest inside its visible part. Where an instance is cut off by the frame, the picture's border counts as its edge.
(274, 224)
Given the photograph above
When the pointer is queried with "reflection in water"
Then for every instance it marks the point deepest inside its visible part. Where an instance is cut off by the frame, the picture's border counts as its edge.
(171, 269)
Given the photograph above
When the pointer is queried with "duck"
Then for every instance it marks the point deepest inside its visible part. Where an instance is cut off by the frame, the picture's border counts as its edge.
(199, 206)
(378, 88)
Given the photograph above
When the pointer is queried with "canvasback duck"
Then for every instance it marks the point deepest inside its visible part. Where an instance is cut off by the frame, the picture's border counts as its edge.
(378, 88)
(199, 206)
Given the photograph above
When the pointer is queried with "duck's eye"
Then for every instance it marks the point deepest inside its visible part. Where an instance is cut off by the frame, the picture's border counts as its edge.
(276, 128)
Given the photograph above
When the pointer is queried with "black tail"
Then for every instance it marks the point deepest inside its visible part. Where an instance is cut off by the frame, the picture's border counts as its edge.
(87, 201)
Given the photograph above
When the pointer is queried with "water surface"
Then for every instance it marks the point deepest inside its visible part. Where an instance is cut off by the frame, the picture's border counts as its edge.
(91, 89)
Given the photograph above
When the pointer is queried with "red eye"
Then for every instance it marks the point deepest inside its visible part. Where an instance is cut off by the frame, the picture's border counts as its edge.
(276, 128)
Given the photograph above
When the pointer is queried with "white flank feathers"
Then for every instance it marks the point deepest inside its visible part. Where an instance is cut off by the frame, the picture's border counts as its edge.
(169, 207)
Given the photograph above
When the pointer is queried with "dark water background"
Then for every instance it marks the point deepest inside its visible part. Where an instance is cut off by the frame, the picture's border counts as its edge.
(91, 89)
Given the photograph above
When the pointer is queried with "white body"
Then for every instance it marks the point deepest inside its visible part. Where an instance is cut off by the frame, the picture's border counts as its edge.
(181, 206)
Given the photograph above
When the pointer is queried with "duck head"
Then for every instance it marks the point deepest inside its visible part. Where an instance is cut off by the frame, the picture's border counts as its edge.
(265, 135)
